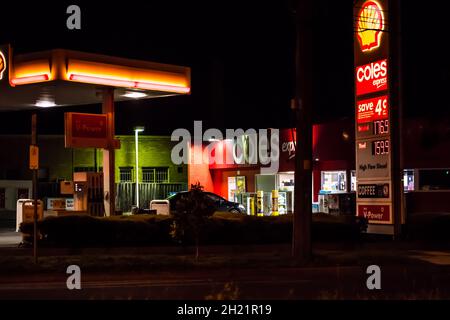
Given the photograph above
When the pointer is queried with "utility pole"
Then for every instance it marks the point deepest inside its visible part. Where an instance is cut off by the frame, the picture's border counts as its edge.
(302, 104)
(397, 116)
(34, 153)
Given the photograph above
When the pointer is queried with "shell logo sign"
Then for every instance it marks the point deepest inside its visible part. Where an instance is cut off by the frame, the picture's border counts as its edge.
(370, 24)
(2, 65)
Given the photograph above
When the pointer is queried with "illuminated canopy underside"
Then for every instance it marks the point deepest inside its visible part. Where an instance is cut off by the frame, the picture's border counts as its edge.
(76, 78)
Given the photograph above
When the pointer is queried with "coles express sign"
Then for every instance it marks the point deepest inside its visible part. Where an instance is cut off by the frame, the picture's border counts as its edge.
(371, 77)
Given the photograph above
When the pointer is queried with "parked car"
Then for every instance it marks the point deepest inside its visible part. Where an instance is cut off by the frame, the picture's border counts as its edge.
(220, 203)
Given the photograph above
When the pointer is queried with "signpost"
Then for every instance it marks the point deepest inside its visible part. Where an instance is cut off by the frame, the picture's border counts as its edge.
(373, 116)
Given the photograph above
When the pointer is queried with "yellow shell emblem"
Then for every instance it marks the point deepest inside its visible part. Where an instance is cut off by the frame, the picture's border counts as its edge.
(370, 24)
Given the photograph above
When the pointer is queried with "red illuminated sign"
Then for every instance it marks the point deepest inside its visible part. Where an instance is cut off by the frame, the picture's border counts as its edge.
(364, 127)
(375, 213)
(372, 109)
(89, 126)
(84, 130)
(371, 77)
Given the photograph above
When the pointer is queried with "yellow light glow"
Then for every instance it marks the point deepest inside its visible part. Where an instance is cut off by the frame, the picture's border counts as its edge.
(2, 65)
(370, 25)
(30, 79)
(59, 66)
(123, 76)
(31, 68)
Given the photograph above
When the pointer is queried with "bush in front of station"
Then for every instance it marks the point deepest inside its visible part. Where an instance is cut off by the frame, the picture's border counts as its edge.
(87, 231)
(429, 226)
(155, 230)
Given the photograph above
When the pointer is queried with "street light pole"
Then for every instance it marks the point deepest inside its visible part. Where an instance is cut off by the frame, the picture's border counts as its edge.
(136, 142)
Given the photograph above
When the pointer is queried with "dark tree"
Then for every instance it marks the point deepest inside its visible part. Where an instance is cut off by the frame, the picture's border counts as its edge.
(190, 215)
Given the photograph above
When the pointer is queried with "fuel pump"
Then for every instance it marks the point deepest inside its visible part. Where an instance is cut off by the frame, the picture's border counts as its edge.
(88, 192)
(260, 203)
(275, 203)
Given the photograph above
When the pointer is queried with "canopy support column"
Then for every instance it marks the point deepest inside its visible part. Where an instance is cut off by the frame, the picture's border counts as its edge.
(109, 185)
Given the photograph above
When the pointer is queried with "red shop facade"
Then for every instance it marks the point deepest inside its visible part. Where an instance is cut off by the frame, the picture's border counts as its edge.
(333, 173)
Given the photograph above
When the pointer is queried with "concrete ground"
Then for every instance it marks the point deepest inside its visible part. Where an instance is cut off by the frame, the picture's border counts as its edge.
(409, 281)
(8, 235)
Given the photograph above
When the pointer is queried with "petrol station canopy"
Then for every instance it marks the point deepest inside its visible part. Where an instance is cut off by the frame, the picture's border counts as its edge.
(64, 77)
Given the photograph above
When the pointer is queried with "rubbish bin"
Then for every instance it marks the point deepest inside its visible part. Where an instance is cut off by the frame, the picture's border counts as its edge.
(162, 207)
(25, 211)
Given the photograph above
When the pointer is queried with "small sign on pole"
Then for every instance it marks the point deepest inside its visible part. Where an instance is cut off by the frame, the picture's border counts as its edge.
(34, 157)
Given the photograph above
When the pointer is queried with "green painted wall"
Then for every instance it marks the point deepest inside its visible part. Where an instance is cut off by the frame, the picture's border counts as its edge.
(154, 151)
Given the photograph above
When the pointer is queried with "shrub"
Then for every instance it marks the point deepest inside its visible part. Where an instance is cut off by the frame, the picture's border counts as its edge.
(80, 231)
(218, 229)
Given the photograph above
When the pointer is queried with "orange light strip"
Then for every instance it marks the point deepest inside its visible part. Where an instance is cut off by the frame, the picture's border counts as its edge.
(127, 83)
(101, 80)
(161, 87)
(30, 79)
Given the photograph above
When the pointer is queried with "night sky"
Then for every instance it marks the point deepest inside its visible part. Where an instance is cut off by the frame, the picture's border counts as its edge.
(241, 54)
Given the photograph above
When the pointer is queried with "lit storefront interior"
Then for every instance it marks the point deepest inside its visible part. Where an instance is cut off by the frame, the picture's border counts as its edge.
(426, 176)
(273, 194)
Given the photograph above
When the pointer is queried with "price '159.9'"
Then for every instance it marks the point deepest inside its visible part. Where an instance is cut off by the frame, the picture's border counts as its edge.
(380, 147)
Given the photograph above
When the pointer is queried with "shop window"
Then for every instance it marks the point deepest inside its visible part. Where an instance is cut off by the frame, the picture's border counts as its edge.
(334, 181)
(155, 174)
(286, 181)
(434, 179)
(126, 174)
(408, 180)
(353, 180)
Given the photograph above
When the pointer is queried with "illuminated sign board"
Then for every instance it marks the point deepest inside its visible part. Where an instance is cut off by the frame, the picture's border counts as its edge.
(373, 191)
(372, 77)
(372, 129)
(380, 147)
(2, 64)
(89, 126)
(370, 165)
(83, 130)
(372, 109)
(370, 24)
(375, 213)
(373, 123)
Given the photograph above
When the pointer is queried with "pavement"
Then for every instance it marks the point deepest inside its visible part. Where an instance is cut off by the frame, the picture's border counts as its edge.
(8, 236)
(336, 271)
(327, 283)
(410, 270)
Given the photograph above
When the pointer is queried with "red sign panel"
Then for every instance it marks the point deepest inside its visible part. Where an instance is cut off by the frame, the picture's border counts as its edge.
(89, 126)
(375, 213)
(372, 109)
(83, 130)
(288, 139)
(371, 77)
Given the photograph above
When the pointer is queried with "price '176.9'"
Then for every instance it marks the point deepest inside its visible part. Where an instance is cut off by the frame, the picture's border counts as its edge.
(380, 147)
(381, 127)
